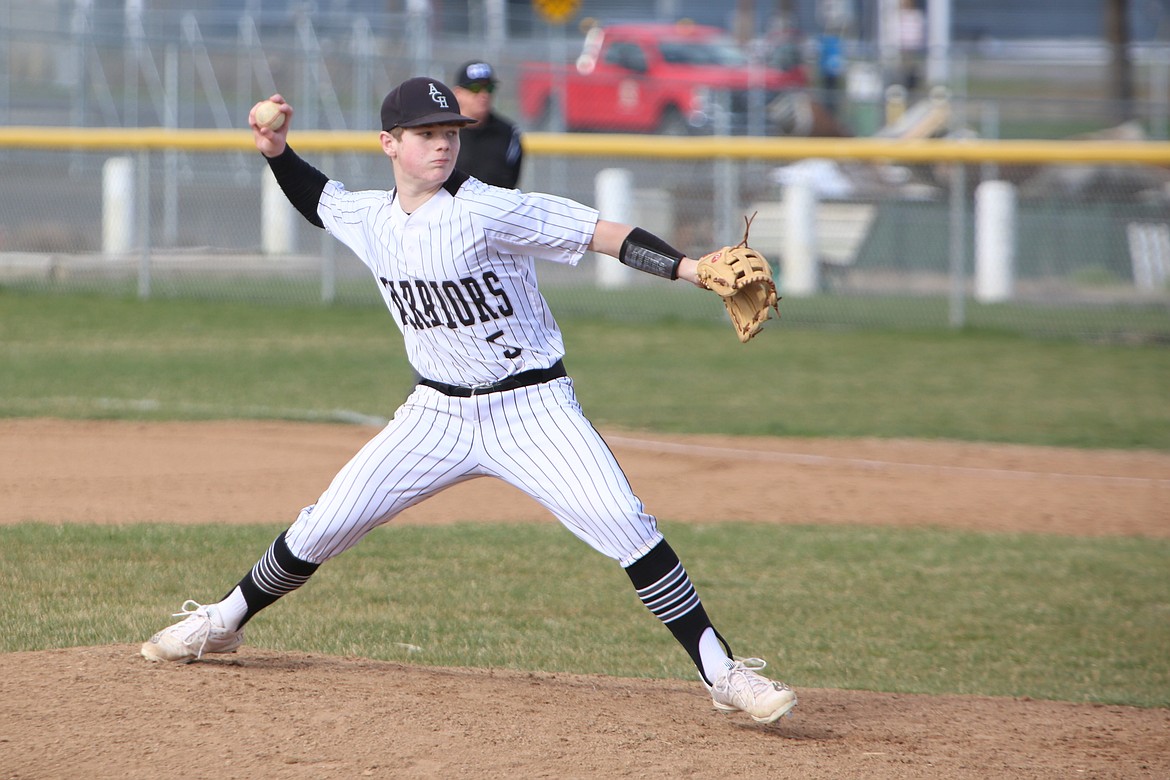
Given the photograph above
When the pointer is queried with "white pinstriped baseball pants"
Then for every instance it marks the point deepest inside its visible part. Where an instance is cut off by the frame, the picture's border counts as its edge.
(535, 438)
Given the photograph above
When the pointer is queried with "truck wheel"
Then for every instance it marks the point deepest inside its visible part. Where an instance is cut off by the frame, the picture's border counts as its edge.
(673, 123)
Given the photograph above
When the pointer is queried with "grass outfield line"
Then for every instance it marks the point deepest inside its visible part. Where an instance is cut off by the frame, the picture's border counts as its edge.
(915, 611)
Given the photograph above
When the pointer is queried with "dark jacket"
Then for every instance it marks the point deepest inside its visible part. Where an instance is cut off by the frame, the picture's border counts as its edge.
(491, 152)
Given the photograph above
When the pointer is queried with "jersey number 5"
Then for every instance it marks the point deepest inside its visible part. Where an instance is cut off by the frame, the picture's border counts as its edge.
(509, 352)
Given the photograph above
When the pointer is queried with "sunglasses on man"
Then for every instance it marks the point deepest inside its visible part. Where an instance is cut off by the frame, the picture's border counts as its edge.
(481, 86)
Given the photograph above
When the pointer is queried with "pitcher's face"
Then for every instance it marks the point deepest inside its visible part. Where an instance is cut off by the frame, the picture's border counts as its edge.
(426, 155)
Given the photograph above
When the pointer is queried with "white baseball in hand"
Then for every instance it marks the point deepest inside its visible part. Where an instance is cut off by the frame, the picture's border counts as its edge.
(268, 114)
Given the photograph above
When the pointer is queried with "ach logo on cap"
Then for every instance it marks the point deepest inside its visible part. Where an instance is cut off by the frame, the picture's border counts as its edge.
(438, 96)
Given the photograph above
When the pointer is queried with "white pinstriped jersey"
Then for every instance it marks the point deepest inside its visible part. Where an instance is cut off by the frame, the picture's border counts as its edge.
(459, 278)
(458, 274)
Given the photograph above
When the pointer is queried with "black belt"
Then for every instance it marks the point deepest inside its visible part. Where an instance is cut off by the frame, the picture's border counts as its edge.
(525, 378)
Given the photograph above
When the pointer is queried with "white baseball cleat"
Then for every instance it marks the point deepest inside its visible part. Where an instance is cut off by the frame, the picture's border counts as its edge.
(191, 638)
(742, 689)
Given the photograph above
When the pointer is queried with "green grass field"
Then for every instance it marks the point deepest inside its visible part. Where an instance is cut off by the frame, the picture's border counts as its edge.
(84, 356)
(925, 610)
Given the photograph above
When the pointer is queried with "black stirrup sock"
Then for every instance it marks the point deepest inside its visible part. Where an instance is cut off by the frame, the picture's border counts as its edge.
(666, 590)
(278, 572)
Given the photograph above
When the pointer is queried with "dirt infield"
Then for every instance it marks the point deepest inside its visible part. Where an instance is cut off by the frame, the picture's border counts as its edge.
(103, 712)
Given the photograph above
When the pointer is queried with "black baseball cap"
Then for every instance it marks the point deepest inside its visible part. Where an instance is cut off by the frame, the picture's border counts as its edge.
(475, 72)
(421, 101)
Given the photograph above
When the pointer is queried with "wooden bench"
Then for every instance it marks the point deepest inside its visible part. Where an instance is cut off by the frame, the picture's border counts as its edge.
(841, 228)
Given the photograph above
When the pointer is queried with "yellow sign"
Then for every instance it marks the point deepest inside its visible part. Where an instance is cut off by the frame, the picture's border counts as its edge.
(556, 11)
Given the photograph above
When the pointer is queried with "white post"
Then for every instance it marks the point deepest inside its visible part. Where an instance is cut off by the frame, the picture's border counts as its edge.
(995, 241)
(277, 218)
(418, 25)
(799, 267)
(118, 212)
(614, 190)
(938, 41)
(888, 39)
(496, 26)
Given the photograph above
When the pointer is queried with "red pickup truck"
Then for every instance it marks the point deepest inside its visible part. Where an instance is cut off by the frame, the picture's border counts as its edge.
(675, 79)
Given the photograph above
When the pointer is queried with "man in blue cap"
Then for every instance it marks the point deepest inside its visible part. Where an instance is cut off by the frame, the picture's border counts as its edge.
(490, 150)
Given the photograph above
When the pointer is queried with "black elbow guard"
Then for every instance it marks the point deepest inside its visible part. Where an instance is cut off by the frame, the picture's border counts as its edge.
(647, 252)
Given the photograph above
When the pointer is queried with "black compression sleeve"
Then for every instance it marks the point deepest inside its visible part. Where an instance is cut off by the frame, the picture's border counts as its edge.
(301, 182)
(647, 252)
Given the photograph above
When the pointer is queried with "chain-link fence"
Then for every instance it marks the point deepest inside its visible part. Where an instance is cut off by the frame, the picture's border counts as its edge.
(1057, 245)
(202, 65)
(930, 235)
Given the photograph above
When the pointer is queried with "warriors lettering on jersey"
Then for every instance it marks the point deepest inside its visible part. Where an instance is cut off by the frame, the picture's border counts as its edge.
(423, 303)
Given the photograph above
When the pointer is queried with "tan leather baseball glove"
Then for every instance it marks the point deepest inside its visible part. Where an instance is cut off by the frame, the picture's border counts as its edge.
(742, 277)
